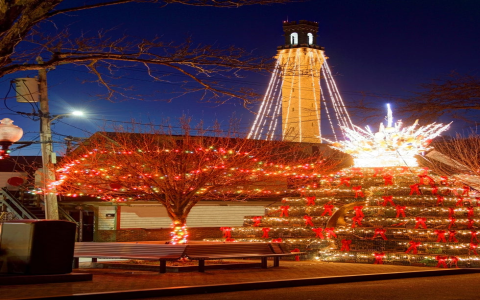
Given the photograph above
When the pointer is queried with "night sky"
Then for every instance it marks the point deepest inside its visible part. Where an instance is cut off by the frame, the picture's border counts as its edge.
(383, 48)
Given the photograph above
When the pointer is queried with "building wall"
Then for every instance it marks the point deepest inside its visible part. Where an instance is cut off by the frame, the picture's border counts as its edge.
(4, 176)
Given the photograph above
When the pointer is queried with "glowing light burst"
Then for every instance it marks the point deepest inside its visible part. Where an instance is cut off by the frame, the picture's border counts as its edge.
(393, 145)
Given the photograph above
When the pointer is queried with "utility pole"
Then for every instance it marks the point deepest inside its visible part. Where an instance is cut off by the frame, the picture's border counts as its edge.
(49, 196)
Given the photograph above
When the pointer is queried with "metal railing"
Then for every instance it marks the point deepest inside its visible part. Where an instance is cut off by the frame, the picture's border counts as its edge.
(14, 206)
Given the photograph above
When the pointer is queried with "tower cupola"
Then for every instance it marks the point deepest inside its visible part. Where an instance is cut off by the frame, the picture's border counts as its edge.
(300, 34)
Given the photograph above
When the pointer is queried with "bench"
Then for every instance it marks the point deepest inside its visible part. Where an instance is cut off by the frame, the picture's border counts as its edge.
(202, 252)
(155, 252)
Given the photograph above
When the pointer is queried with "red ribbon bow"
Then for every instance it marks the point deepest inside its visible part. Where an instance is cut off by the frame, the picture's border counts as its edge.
(358, 191)
(311, 200)
(441, 261)
(452, 222)
(470, 212)
(330, 232)
(474, 236)
(359, 211)
(284, 212)
(388, 179)
(419, 221)
(400, 211)
(440, 199)
(459, 202)
(434, 190)
(404, 169)
(473, 247)
(414, 189)
(356, 170)
(308, 220)
(357, 220)
(470, 223)
(466, 191)
(380, 232)
(346, 245)
(453, 261)
(413, 247)
(328, 209)
(451, 236)
(441, 235)
(227, 232)
(423, 177)
(387, 199)
(318, 233)
(256, 221)
(379, 258)
(265, 232)
(345, 181)
(451, 212)
(377, 170)
(229, 240)
(425, 171)
(297, 257)
(279, 240)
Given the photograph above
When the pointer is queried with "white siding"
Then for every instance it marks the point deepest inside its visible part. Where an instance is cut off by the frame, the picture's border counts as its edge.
(104, 222)
(200, 216)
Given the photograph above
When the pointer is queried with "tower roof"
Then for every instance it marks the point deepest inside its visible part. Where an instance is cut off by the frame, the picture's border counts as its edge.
(300, 34)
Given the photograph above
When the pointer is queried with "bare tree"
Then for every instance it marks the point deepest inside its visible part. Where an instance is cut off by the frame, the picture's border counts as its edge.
(179, 170)
(106, 57)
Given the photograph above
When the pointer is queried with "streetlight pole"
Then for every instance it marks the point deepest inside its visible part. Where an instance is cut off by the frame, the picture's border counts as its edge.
(49, 194)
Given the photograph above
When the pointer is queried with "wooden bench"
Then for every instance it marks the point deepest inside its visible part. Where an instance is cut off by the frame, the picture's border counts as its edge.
(155, 252)
(202, 252)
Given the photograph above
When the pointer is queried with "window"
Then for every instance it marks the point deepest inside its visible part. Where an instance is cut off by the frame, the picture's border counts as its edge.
(310, 38)
(294, 38)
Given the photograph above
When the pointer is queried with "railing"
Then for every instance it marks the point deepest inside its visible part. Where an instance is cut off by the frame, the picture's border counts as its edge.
(14, 206)
(64, 215)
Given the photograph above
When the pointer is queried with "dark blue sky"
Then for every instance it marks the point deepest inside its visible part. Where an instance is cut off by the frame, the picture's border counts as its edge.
(385, 48)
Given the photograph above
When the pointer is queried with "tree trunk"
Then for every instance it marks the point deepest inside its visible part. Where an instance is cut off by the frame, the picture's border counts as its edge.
(179, 234)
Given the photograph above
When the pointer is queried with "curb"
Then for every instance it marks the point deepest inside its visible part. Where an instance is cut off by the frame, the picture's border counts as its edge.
(235, 287)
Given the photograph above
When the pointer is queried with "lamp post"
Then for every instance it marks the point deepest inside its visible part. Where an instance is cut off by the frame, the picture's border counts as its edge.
(9, 134)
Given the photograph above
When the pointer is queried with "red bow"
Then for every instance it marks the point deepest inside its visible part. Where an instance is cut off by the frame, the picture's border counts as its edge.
(346, 245)
(284, 212)
(356, 170)
(357, 220)
(441, 261)
(387, 199)
(358, 211)
(297, 257)
(328, 209)
(466, 190)
(440, 199)
(229, 240)
(358, 191)
(474, 236)
(453, 261)
(227, 232)
(452, 222)
(404, 169)
(470, 212)
(318, 232)
(379, 258)
(388, 179)
(311, 200)
(451, 212)
(414, 189)
(470, 223)
(434, 190)
(413, 247)
(400, 210)
(419, 221)
(425, 171)
(265, 232)
(478, 201)
(451, 236)
(441, 235)
(473, 247)
(308, 220)
(256, 221)
(330, 233)
(345, 181)
(423, 177)
(377, 170)
(444, 180)
(459, 202)
(279, 240)
(380, 232)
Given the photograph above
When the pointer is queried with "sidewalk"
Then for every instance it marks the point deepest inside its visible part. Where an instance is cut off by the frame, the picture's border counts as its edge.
(110, 280)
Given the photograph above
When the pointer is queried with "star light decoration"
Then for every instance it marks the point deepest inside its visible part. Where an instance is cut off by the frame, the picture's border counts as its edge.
(391, 145)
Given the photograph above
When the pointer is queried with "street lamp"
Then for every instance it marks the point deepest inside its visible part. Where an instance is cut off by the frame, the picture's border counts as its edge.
(9, 134)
